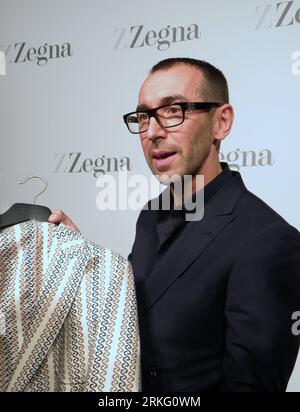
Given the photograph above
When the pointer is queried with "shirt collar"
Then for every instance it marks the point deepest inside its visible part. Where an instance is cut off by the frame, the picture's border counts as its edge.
(171, 220)
(209, 191)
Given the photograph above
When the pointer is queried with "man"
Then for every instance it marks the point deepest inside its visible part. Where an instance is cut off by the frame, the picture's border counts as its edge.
(215, 295)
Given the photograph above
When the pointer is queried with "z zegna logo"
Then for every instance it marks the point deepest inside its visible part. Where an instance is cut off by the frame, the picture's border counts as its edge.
(22, 53)
(136, 36)
(280, 14)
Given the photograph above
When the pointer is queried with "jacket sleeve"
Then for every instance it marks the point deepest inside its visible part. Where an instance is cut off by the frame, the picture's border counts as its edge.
(263, 293)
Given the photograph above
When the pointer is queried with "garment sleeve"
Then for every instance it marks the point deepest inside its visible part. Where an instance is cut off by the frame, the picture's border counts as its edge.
(262, 295)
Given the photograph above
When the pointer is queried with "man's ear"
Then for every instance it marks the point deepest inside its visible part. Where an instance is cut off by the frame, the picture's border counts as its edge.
(223, 120)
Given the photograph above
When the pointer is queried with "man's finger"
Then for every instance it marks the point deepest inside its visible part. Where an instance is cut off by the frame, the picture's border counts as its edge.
(58, 216)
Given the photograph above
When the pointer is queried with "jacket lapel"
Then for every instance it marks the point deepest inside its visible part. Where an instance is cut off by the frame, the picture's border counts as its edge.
(193, 240)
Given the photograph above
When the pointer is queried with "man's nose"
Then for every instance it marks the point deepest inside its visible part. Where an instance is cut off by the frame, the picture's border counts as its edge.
(155, 130)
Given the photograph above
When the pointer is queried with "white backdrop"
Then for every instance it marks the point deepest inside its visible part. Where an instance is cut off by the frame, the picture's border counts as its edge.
(73, 67)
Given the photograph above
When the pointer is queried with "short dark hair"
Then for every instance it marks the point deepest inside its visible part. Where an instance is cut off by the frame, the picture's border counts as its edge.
(216, 87)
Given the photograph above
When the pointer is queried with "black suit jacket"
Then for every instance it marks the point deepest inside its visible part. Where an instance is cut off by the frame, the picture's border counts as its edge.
(216, 311)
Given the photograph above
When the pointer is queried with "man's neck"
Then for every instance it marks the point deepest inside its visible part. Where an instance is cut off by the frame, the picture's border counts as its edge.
(184, 191)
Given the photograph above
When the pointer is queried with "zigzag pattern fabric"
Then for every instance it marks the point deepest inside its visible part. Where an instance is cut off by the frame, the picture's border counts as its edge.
(68, 316)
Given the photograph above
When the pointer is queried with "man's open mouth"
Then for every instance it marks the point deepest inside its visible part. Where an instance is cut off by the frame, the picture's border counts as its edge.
(162, 158)
(162, 155)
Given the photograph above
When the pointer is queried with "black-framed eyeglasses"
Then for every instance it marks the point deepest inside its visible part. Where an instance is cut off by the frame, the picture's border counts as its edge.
(168, 115)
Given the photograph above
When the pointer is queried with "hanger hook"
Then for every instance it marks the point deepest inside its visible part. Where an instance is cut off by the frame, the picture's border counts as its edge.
(37, 177)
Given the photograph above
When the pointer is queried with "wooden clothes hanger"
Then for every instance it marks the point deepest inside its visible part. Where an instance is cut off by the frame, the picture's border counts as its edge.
(21, 212)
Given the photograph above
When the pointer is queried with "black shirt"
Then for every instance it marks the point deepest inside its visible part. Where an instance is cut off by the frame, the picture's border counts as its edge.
(171, 222)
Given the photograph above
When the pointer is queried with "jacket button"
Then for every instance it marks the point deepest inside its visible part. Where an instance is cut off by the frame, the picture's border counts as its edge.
(153, 372)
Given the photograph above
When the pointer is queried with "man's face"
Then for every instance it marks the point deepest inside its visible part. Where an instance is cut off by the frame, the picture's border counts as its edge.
(183, 149)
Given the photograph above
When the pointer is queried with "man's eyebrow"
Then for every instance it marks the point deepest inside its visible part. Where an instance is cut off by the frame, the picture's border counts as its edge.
(164, 100)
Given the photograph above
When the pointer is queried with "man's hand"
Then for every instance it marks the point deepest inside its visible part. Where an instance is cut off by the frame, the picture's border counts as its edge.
(58, 216)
